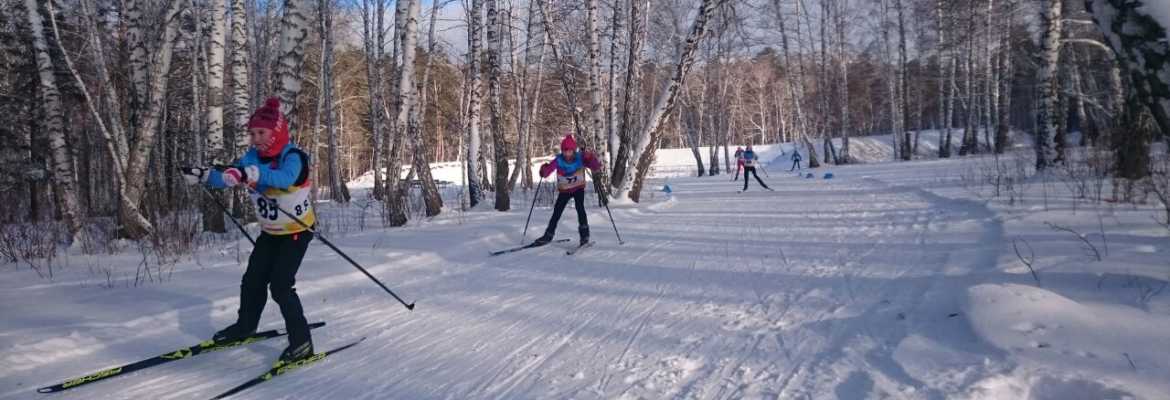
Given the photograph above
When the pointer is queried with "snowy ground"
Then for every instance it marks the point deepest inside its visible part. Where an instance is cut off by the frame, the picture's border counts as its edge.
(888, 281)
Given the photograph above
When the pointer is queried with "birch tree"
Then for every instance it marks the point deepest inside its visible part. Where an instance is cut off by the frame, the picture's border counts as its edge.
(294, 30)
(495, 104)
(646, 143)
(1049, 57)
(372, 40)
(63, 174)
(474, 22)
(431, 199)
(338, 192)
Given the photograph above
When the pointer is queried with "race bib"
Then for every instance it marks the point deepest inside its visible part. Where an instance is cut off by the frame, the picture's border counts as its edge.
(295, 201)
(568, 183)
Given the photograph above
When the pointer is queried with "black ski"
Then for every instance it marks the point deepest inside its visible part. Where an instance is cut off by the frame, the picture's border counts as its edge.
(282, 368)
(578, 248)
(525, 247)
(188, 352)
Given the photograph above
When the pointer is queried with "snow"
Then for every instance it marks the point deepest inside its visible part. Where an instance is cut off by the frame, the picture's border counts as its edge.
(892, 280)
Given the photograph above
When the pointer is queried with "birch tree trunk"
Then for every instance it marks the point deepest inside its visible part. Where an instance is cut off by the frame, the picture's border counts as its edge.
(473, 141)
(294, 30)
(215, 67)
(406, 99)
(1046, 116)
(945, 83)
(63, 173)
(495, 105)
(614, 140)
(596, 112)
(241, 101)
(528, 108)
(843, 84)
(1006, 82)
(134, 225)
(216, 150)
(633, 78)
(372, 40)
(903, 84)
(647, 140)
(338, 192)
(422, 152)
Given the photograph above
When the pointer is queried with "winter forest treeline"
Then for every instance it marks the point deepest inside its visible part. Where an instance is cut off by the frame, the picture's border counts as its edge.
(102, 100)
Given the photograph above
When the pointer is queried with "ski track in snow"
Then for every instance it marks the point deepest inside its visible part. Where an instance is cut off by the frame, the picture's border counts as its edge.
(812, 291)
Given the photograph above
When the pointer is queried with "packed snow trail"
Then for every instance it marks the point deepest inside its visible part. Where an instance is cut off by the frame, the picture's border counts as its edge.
(842, 288)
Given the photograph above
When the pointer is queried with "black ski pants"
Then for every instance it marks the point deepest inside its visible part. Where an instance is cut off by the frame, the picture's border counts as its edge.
(751, 171)
(558, 208)
(273, 267)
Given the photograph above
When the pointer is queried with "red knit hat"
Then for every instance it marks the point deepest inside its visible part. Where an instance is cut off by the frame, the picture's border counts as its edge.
(269, 116)
(568, 143)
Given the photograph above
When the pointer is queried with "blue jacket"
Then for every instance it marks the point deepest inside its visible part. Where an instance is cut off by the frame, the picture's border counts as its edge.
(287, 169)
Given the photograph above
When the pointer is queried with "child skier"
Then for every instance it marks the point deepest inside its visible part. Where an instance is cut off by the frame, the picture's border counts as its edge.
(278, 173)
(795, 161)
(749, 168)
(738, 162)
(570, 167)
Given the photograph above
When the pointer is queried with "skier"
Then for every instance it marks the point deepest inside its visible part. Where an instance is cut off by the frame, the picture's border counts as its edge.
(749, 168)
(795, 160)
(738, 162)
(278, 172)
(570, 167)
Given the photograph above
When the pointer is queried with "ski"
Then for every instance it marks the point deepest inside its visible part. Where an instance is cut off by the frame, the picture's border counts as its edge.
(578, 248)
(525, 247)
(281, 368)
(207, 346)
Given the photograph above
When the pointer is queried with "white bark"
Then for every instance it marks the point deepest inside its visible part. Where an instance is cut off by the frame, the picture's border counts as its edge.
(495, 104)
(1046, 77)
(63, 174)
(241, 99)
(134, 224)
(474, 23)
(294, 30)
(215, 66)
(407, 98)
(647, 140)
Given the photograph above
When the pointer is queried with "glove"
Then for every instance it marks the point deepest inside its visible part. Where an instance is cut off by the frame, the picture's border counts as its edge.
(232, 177)
(194, 175)
(252, 175)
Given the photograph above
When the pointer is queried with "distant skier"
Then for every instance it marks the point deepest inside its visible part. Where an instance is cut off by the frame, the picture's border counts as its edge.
(738, 162)
(795, 160)
(279, 170)
(750, 160)
(570, 168)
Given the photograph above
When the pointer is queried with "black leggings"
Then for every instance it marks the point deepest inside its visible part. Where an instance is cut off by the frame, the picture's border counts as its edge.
(563, 200)
(751, 171)
(273, 265)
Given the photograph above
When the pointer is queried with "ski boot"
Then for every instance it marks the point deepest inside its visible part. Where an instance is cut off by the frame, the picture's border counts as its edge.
(296, 352)
(231, 334)
(543, 240)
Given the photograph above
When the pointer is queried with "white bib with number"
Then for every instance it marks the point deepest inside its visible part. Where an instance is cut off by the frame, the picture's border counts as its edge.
(568, 183)
(294, 200)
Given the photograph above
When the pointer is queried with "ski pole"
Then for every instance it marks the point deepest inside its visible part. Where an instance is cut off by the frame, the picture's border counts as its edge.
(765, 171)
(228, 213)
(225, 210)
(605, 202)
(330, 244)
(533, 207)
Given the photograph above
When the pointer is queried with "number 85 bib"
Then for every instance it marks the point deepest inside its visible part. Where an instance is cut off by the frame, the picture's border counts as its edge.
(294, 200)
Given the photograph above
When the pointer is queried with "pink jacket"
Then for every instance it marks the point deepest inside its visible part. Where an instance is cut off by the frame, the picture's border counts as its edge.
(566, 171)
